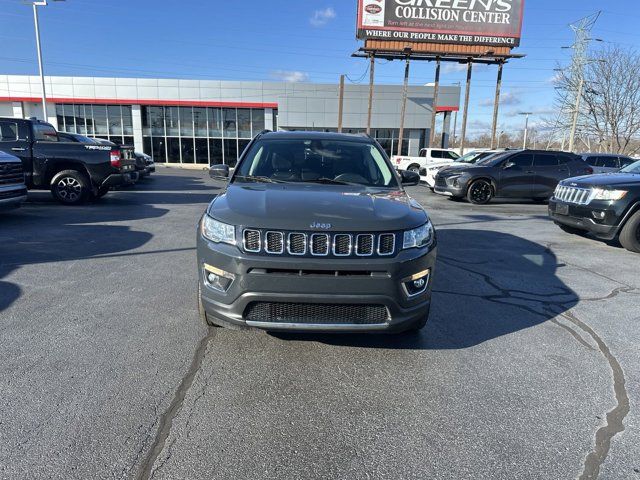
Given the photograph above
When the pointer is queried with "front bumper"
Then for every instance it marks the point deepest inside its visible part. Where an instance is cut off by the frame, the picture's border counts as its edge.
(309, 281)
(13, 197)
(582, 217)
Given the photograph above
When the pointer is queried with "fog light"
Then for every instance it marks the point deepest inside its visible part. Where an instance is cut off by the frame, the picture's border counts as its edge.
(417, 284)
(598, 215)
(217, 279)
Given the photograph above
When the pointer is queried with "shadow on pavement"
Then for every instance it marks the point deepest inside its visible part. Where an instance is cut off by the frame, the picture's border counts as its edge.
(43, 231)
(487, 285)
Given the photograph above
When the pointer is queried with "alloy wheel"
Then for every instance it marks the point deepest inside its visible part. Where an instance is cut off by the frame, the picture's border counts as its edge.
(481, 192)
(69, 189)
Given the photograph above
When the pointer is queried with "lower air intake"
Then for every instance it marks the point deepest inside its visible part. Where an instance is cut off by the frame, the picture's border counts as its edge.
(319, 314)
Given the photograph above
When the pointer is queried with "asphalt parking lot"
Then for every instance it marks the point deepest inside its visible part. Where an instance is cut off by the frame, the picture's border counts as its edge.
(529, 367)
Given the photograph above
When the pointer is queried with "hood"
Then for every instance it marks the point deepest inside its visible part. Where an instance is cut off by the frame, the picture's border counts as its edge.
(297, 207)
(466, 168)
(604, 180)
(8, 158)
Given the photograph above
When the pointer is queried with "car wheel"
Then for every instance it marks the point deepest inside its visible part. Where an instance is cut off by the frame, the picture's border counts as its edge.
(570, 230)
(414, 168)
(630, 234)
(480, 192)
(70, 187)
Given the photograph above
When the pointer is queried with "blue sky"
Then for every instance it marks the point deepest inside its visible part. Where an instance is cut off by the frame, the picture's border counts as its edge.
(295, 40)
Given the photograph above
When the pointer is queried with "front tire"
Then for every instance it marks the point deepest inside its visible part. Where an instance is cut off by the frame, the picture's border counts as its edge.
(70, 187)
(630, 234)
(480, 192)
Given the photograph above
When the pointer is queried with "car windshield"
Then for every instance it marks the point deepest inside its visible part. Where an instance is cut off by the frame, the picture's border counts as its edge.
(336, 162)
(633, 168)
(472, 157)
(493, 160)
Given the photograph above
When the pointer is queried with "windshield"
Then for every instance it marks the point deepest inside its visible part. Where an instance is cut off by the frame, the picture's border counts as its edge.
(316, 161)
(472, 157)
(633, 168)
(493, 160)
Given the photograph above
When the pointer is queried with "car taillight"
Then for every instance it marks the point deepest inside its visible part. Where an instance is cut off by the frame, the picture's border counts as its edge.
(115, 159)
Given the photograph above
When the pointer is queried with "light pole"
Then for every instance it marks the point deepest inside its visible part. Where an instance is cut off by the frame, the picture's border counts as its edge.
(526, 127)
(35, 5)
(500, 138)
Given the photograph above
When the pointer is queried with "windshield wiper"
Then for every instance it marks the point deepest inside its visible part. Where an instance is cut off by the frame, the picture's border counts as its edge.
(258, 179)
(328, 181)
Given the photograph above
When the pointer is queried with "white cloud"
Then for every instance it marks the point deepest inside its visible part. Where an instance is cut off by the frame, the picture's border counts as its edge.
(455, 67)
(289, 76)
(506, 99)
(322, 17)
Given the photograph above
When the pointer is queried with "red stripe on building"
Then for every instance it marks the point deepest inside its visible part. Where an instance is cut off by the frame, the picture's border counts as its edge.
(166, 103)
(447, 109)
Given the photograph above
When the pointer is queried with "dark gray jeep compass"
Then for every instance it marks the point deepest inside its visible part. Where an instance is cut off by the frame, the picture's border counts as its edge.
(314, 231)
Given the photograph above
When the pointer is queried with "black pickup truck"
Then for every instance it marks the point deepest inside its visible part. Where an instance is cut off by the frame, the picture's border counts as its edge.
(74, 172)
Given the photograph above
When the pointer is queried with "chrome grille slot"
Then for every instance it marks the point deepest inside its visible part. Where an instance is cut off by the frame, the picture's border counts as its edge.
(251, 241)
(11, 173)
(297, 244)
(342, 245)
(574, 195)
(386, 244)
(320, 244)
(274, 243)
(364, 245)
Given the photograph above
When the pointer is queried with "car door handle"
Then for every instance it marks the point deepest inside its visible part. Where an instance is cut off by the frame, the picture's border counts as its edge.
(18, 149)
(529, 172)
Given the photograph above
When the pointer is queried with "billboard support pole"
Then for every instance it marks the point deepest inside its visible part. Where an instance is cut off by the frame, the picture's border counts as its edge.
(496, 106)
(465, 116)
(436, 93)
(340, 103)
(404, 105)
(372, 71)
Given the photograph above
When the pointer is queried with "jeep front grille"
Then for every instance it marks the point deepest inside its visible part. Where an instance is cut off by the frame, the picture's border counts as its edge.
(317, 313)
(11, 173)
(575, 195)
(340, 245)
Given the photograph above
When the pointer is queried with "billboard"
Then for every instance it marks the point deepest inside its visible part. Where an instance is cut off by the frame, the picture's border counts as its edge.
(454, 22)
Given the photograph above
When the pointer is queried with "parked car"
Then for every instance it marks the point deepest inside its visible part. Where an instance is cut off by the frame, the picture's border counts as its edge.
(428, 173)
(13, 191)
(77, 138)
(74, 172)
(426, 156)
(314, 231)
(606, 205)
(151, 164)
(606, 162)
(144, 164)
(517, 173)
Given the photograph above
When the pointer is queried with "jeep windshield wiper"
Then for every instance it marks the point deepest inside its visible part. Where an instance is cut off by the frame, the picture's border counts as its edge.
(327, 181)
(258, 179)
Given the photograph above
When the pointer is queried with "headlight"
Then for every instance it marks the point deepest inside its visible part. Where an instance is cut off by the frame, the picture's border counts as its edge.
(602, 194)
(419, 237)
(217, 231)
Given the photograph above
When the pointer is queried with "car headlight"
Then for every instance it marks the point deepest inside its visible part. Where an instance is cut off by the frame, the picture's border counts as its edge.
(217, 232)
(419, 237)
(602, 194)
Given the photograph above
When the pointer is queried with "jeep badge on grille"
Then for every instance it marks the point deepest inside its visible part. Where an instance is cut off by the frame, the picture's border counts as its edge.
(320, 226)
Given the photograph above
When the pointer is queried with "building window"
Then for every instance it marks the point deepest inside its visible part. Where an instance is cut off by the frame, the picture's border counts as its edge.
(257, 121)
(244, 123)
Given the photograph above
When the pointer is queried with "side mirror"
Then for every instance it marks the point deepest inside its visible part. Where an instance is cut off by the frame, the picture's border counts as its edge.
(409, 178)
(508, 165)
(219, 171)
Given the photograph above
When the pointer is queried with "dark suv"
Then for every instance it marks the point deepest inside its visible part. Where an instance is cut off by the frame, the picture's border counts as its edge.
(314, 231)
(517, 174)
(607, 205)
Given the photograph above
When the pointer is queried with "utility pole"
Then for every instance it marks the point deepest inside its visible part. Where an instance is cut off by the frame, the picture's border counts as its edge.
(404, 105)
(372, 69)
(340, 103)
(576, 113)
(35, 5)
(526, 128)
(465, 116)
(496, 105)
(500, 138)
(434, 112)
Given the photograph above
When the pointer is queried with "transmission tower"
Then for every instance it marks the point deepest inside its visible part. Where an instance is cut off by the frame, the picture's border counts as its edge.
(571, 97)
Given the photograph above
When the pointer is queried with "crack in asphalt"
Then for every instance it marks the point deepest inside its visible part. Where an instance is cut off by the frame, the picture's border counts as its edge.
(615, 418)
(166, 420)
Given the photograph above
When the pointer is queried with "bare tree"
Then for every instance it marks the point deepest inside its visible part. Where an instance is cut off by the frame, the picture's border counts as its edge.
(609, 117)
